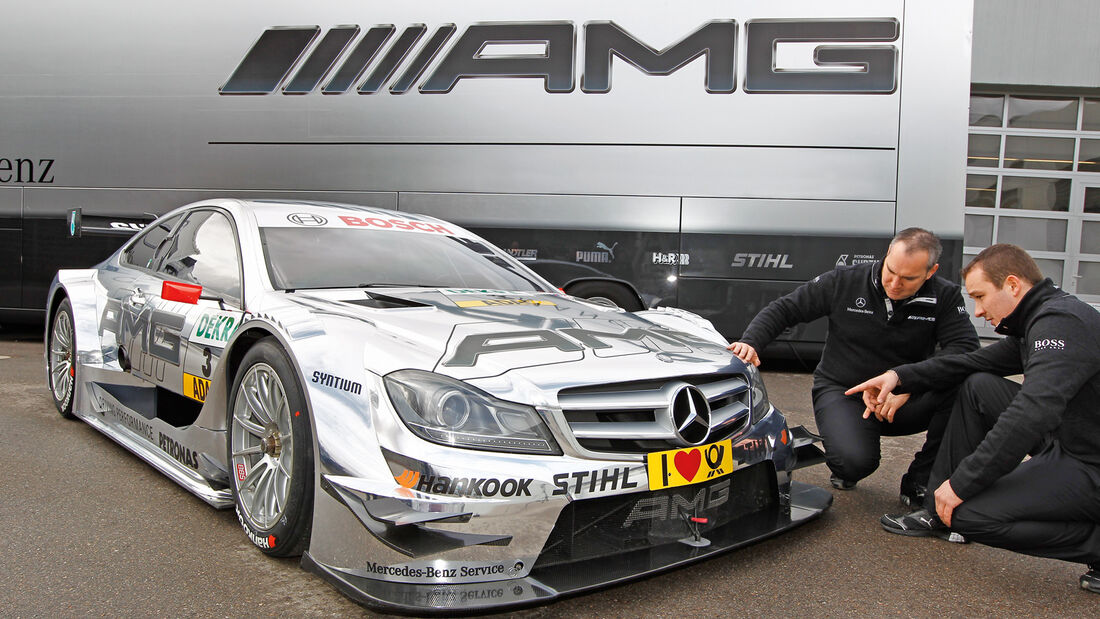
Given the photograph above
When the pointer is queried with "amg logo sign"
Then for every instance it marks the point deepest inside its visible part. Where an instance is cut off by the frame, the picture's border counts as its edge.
(865, 64)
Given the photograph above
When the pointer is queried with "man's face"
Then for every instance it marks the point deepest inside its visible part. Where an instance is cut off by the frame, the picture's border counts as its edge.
(991, 302)
(904, 273)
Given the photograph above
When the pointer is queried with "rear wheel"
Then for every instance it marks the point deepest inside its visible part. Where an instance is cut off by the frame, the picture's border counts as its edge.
(271, 452)
(61, 360)
(607, 293)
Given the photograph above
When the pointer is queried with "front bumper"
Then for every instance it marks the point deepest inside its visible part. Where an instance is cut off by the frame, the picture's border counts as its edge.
(550, 579)
(555, 529)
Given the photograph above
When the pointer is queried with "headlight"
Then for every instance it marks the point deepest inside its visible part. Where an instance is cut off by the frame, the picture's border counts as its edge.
(449, 412)
(758, 396)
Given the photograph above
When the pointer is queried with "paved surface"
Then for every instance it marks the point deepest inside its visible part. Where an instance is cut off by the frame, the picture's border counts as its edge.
(90, 530)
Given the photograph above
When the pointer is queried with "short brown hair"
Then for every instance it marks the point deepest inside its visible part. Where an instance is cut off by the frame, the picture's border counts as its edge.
(919, 239)
(1004, 259)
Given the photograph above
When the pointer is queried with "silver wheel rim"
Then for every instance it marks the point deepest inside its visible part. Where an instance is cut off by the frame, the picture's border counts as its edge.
(262, 445)
(61, 358)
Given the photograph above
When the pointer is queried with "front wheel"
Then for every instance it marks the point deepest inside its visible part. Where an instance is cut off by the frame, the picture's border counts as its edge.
(61, 359)
(271, 452)
(607, 293)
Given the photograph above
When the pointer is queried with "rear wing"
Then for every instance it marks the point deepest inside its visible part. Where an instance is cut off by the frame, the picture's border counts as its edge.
(106, 225)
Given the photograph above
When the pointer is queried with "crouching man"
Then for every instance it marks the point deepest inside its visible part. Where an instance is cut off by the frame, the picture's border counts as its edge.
(883, 314)
(1048, 506)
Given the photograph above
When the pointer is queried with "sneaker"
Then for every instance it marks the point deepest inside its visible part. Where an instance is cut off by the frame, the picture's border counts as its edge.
(920, 523)
(841, 484)
(912, 493)
(1090, 580)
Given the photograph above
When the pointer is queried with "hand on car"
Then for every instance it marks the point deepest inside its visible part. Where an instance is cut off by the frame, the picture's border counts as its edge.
(744, 352)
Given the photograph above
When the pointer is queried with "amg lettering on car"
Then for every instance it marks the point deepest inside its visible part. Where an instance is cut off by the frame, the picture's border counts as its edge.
(594, 481)
(472, 346)
(467, 486)
(343, 384)
(149, 337)
(869, 68)
(669, 507)
(182, 454)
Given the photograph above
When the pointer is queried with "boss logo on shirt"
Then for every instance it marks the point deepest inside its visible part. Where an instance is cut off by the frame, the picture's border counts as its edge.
(1049, 345)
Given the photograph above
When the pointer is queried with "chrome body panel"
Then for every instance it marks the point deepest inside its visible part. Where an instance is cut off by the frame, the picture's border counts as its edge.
(392, 509)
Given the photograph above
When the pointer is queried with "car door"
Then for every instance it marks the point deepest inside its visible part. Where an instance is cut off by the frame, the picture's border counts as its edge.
(189, 337)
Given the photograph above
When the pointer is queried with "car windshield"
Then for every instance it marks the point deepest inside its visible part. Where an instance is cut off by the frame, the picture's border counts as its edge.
(335, 258)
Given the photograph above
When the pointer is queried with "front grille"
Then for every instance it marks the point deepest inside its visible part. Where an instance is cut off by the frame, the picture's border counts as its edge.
(592, 528)
(633, 417)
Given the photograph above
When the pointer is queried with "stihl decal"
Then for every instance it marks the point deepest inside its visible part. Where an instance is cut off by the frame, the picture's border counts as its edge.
(346, 57)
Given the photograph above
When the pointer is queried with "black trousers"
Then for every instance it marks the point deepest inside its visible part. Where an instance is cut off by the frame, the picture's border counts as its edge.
(852, 443)
(1049, 506)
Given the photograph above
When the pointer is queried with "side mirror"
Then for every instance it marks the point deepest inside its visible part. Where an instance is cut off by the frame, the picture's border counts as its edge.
(179, 291)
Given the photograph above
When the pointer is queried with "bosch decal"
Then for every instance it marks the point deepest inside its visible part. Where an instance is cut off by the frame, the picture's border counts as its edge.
(394, 224)
(867, 65)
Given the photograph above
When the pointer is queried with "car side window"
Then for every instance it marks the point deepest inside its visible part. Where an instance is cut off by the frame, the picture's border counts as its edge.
(143, 250)
(204, 251)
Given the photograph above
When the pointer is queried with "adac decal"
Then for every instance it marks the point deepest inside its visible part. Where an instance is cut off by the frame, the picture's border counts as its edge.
(691, 465)
(195, 387)
(181, 454)
(672, 506)
(335, 382)
(214, 328)
(590, 482)
(475, 487)
(265, 542)
(499, 302)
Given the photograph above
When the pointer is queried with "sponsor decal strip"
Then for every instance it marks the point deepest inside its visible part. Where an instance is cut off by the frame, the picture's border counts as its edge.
(474, 487)
(195, 387)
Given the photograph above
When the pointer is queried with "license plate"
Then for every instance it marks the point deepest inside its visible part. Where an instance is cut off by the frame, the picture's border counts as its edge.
(690, 465)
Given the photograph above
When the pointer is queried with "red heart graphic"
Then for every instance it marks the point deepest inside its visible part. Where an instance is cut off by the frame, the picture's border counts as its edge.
(687, 463)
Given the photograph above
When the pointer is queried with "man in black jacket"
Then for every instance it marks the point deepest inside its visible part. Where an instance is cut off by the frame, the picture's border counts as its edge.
(1048, 506)
(880, 314)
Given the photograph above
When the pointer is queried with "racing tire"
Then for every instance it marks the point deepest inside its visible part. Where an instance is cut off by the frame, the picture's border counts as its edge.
(270, 452)
(598, 292)
(61, 359)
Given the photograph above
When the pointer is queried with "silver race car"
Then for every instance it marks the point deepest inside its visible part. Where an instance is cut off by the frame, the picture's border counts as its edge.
(430, 424)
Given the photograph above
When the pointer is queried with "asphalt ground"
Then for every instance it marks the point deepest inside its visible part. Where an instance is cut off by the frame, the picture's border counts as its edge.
(87, 530)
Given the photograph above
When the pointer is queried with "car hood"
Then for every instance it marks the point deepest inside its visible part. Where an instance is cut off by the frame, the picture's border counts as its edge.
(550, 339)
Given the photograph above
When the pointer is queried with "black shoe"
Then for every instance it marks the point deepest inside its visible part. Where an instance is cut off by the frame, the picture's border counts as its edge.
(841, 484)
(1090, 580)
(920, 523)
(912, 493)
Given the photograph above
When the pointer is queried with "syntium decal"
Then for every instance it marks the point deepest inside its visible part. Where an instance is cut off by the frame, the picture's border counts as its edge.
(350, 58)
(653, 339)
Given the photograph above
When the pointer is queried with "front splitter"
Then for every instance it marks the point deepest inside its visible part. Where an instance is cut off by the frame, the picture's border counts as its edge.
(549, 583)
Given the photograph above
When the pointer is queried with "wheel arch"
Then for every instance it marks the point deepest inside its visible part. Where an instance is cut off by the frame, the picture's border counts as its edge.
(607, 281)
